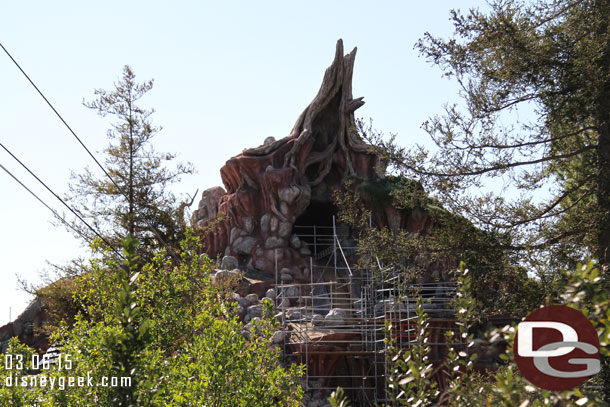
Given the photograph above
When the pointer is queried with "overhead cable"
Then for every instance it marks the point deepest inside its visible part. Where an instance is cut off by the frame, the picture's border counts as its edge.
(58, 216)
(151, 228)
(56, 196)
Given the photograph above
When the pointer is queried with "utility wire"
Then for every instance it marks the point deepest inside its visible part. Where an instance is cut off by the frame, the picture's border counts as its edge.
(43, 202)
(58, 197)
(58, 216)
(154, 230)
(56, 112)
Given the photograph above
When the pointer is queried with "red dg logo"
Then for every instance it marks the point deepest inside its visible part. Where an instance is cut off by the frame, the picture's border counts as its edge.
(557, 348)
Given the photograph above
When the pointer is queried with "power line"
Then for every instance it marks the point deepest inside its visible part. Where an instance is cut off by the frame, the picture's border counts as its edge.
(58, 197)
(68, 224)
(56, 112)
(169, 249)
(43, 202)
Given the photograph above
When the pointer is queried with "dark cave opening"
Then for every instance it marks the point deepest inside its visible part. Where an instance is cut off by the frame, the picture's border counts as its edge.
(315, 225)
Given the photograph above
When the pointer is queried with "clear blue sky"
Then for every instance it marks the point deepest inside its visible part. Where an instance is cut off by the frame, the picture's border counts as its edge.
(227, 75)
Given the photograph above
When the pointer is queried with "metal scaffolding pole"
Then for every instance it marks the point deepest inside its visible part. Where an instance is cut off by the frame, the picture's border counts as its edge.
(347, 347)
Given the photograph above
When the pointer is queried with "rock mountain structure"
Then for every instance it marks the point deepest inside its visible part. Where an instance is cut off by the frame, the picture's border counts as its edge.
(275, 220)
(272, 190)
(274, 231)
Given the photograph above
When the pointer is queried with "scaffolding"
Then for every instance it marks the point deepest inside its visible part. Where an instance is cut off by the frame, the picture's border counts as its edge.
(337, 321)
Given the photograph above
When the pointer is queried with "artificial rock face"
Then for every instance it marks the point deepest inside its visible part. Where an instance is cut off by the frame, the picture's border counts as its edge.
(270, 187)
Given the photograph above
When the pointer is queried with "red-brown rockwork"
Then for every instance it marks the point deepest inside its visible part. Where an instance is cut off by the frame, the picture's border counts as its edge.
(270, 188)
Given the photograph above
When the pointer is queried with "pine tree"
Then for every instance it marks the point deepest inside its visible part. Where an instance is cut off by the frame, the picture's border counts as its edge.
(135, 199)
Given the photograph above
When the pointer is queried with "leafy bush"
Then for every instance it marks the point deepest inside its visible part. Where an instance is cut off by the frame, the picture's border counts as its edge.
(168, 329)
(410, 380)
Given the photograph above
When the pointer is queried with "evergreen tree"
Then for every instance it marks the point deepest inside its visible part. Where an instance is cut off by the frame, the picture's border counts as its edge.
(135, 199)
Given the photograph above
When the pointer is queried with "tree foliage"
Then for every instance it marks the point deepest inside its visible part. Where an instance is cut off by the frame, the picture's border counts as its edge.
(410, 378)
(134, 198)
(534, 126)
(525, 157)
(501, 286)
(167, 328)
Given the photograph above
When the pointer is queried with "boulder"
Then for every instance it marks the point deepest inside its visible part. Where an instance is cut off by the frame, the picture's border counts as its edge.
(296, 273)
(305, 251)
(295, 242)
(289, 194)
(291, 292)
(278, 337)
(252, 298)
(335, 316)
(208, 206)
(261, 265)
(255, 311)
(243, 302)
(226, 276)
(274, 223)
(244, 245)
(235, 233)
(294, 315)
(249, 224)
(229, 263)
(270, 293)
(265, 223)
(317, 319)
(274, 242)
(284, 229)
